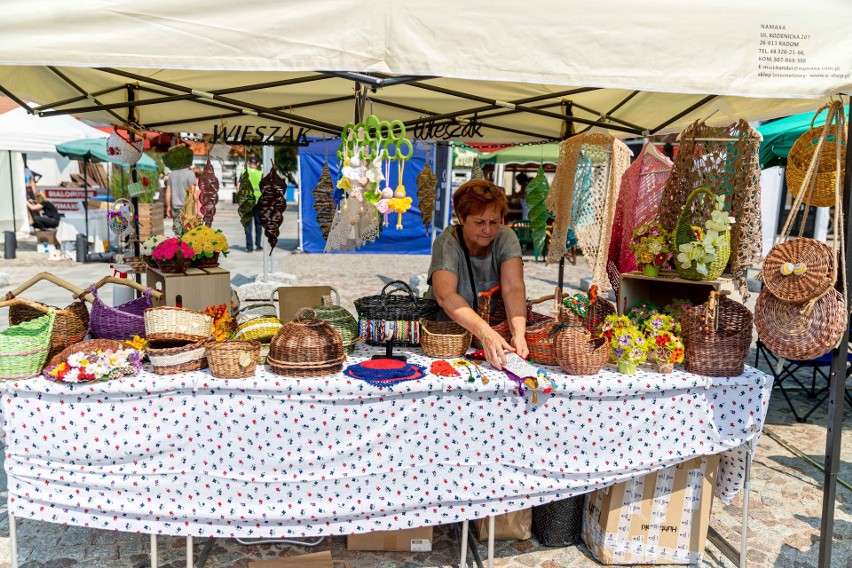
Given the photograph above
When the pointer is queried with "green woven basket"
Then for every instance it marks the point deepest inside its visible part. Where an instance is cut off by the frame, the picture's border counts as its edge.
(178, 158)
(341, 320)
(684, 235)
(24, 347)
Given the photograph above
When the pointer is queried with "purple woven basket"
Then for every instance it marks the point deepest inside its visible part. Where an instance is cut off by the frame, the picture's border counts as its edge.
(119, 322)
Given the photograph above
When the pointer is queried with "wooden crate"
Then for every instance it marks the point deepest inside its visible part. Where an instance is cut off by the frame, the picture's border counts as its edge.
(151, 219)
(194, 289)
(661, 289)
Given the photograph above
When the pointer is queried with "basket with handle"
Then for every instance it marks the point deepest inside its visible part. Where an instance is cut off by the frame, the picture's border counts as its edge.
(24, 347)
(716, 336)
(306, 347)
(539, 335)
(811, 164)
(85, 346)
(577, 349)
(396, 318)
(170, 323)
(490, 308)
(684, 235)
(172, 356)
(444, 339)
(178, 157)
(119, 322)
(233, 359)
(340, 319)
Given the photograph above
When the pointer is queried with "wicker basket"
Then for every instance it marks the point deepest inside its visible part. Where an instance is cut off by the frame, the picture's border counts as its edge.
(172, 356)
(344, 322)
(444, 339)
(119, 322)
(206, 261)
(178, 157)
(85, 346)
(824, 178)
(716, 339)
(71, 324)
(137, 264)
(815, 257)
(258, 310)
(387, 317)
(170, 323)
(540, 337)
(594, 319)
(258, 329)
(149, 260)
(233, 359)
(24, 347)
(578, 353)
(306, 347)
(684, 235)
(174, 265)
(797, 332)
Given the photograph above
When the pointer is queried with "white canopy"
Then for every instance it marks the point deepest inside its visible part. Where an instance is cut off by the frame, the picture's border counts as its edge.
(652, 67)
(23, 132)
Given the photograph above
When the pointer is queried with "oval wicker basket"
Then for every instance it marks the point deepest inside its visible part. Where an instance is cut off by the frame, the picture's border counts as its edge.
(256, 310)
(206, 261)
(172, 356)
(444, 339)
(171, 323)
(86, 346)
(716, 341)
(578, 353)
(233, 359)
(345, 324)
(306, 347)
(24, 347)
(540, 336)
(71, 324)
(820, 273)
(684, 235)
(258, 329)
(797, 332)
(118, 322)
(824, 178)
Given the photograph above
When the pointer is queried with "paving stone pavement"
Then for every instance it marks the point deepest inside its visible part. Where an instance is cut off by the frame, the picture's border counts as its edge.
(786, 494)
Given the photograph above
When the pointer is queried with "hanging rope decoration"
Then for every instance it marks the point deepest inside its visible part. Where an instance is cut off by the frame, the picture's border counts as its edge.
(537, 191)
(245, 199)
(427, 181)
(476, 170)
(323, 203)
(272, 204)
(208, 197)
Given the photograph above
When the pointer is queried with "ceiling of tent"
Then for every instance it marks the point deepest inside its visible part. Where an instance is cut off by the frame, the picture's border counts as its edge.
(461, 71)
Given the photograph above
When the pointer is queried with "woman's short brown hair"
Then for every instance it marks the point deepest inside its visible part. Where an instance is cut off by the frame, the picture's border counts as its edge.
(476, 196)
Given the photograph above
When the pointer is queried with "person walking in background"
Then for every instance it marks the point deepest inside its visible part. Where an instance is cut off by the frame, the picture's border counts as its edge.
(254, 175)
(176, 184)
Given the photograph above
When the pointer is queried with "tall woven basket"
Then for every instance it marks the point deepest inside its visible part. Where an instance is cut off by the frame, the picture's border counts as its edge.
(391, 317)
(306, 347)
(24, 347)
(119, 322)
(827, 170)
(717, 336)
(71, 323)
(684, 235)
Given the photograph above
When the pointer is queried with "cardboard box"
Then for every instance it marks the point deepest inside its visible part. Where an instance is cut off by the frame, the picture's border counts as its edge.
(516, 525)
(47, 236)
(635, 286)
(659, 518)
(405, 540)
(292, 298)
(195, 289)
(313, 560)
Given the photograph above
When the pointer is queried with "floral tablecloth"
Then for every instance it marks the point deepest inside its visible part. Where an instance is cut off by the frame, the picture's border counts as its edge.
(272, 456)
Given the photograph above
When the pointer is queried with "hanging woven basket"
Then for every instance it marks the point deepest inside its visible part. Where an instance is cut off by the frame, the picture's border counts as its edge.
(799, 270)
(803, 152)
(684, 235)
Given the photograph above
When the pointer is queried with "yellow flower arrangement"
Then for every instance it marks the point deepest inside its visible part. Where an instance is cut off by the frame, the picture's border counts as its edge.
(206, 241)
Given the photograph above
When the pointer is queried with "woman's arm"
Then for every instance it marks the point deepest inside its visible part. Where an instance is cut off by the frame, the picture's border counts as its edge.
(445, 288)
(34, 206)
(515, 298)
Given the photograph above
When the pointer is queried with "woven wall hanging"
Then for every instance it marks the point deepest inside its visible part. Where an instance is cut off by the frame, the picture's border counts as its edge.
(724, 160)
(427, 181)
(245, 199)
(271, 206)
(208, 193)
(323, 203)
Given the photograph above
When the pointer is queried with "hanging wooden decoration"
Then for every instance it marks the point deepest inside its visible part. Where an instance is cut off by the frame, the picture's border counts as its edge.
(188, 219)
(426, 183)
(272, 204)
(476, 170)
(245, 199)
(323, 203)
(537, 191)
(208, 187)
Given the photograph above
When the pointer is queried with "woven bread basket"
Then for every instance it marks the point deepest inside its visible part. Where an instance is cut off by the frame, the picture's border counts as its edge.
(444, 339)
(171, 323)
(306, 347)
(258, 329)
(233, 359)
(716, 336)
(172, 356)
(826, 171)
(814, 258)
(70, 325)
(85, 346)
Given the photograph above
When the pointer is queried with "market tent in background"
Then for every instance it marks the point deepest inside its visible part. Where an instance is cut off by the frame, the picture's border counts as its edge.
(95, 151)
(23, 133)
(780, 135)
(531, 154)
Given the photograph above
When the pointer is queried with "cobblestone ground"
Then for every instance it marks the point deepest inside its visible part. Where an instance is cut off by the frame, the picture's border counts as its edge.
(786, 492)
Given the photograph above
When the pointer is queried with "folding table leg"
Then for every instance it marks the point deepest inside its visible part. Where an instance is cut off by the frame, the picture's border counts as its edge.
(746, 491)
(491, 541)
(463, 558)
(13, 537)
(189, 563)
(153, 550)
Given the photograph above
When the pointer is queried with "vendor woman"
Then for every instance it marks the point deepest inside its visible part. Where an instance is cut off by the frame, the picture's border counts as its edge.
(474, 256)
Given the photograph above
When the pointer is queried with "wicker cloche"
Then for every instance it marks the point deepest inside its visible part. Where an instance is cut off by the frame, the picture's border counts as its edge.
(306, 347)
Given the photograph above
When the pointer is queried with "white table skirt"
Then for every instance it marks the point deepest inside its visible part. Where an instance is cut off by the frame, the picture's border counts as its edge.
(273, 456)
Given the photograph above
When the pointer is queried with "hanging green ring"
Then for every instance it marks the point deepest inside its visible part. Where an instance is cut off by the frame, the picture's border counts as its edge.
(405, 143)
(394, 125)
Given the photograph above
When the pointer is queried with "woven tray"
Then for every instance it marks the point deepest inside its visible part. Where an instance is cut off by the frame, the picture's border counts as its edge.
(172, 356)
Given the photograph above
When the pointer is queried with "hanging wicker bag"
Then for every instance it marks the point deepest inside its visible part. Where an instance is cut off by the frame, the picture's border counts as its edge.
(119, 322)
(306, 347)
(24, 347)
(444, 339)
(178, 157)
(172, 356)
(170, 323)
(799, 270)
(233, 359)
(123, 150)
(340, 319)
(800, 332)
(717, 336)
(71, 324)
(684, 235)
(827, 169)
(85, 346)
(393, 317)
(258, 329)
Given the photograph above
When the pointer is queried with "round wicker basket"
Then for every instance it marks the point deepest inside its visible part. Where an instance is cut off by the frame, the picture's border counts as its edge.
(578, 353)
(306, 347)
(171, 323)
(261, 329)
(86, 346)
(815, 257)
(233, 359)
(172, 356)
(803, 152)
(716, 340)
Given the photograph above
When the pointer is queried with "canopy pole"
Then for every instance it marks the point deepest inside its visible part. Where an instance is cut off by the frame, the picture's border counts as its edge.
(86, 195)
(837, 388)
(12, 189)
(132, 118)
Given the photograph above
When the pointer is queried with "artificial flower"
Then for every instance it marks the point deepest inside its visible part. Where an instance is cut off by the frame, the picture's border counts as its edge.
(651, 244)
(95, 366)
(205, 241)
(167, 249)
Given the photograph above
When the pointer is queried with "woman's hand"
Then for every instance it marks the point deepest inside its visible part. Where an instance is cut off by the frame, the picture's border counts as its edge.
(494, 347)
(519, 342)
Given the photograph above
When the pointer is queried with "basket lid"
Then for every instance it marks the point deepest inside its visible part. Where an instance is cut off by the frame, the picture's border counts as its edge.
(307, 339)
